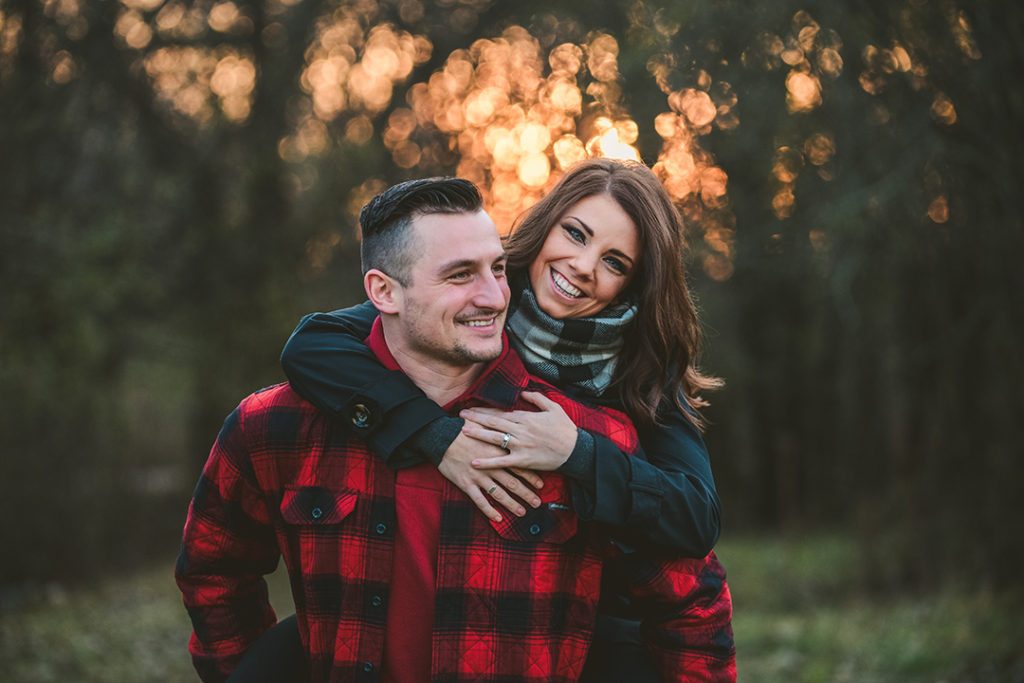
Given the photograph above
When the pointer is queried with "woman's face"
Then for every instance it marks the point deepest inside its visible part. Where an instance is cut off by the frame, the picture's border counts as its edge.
(586, 261)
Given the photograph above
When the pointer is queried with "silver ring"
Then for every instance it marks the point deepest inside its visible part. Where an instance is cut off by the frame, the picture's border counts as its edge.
(491, 490)
(505, 440)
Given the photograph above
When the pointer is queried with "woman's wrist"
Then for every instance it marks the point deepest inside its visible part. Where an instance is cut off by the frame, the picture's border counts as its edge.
(581, 463)
(434, 438)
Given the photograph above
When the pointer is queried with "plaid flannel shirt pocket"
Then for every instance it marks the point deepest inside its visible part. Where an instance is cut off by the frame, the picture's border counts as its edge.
(321, 537)
(550, 523)
(316, 505)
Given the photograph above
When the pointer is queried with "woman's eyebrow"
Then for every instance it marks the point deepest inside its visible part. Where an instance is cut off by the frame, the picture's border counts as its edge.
(590, 231)
(622, 255)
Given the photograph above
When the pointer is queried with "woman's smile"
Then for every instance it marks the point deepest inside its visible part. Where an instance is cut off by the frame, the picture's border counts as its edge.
(587, 259)
(564, 287)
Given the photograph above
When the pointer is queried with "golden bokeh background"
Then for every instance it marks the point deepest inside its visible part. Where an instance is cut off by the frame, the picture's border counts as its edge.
(181, 181)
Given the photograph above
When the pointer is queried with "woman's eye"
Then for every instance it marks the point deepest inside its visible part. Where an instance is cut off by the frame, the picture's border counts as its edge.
(617, 265)
(575, 233)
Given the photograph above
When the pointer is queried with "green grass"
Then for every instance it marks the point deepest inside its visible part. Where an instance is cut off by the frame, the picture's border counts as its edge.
(131, 629)
(800, 617)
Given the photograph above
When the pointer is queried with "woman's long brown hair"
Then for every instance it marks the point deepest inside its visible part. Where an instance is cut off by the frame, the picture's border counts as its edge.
(658, 358)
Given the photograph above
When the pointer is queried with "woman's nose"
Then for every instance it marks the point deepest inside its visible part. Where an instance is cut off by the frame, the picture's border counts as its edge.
(584, 262)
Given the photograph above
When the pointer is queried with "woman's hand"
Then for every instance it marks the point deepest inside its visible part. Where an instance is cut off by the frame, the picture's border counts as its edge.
(540, 440)
(478, 484)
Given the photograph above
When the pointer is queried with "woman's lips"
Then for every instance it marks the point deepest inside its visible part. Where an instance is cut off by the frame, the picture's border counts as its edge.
(564, 287)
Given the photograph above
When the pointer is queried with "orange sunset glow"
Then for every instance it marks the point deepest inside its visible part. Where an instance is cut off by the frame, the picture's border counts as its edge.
(506, 112)
(511, 111)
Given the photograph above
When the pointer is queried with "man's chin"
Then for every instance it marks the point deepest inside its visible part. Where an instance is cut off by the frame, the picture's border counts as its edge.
(480, 353)
(486, 356)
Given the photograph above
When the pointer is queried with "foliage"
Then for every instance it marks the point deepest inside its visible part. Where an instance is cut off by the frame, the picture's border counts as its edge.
(802, 613)
(183, 176)
(799, 616)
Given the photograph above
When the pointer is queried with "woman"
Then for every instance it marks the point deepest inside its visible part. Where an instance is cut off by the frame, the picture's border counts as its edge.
(600, 308)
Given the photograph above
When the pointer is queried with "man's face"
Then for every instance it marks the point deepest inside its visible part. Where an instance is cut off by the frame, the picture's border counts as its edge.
(453, 310)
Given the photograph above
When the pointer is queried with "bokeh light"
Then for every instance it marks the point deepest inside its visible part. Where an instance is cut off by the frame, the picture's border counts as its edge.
(181, 78)
(943, 109)
(512, 117)
(803, 91)
(233, 81)
(938, 210)
(509, 112)
(133, 30)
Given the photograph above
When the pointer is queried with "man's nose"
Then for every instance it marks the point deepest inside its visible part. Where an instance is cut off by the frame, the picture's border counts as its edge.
(492, 292)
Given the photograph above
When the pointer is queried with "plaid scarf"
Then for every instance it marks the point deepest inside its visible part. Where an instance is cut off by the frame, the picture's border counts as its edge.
(574, 352)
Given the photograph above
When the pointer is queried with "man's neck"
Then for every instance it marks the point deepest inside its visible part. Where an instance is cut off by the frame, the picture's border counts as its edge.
(441, 382)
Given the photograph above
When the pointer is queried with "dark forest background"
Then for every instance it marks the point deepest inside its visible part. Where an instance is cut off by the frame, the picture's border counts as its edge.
(179, 181)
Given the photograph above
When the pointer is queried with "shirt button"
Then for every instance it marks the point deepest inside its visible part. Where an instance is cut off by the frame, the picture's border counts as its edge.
(360, 415)
(381, 528)
(535, 529)
(368, 667)
(317, 513)
(376, 601)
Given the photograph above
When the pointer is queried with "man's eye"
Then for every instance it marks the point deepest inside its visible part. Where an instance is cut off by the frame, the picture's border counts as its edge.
(461, 275)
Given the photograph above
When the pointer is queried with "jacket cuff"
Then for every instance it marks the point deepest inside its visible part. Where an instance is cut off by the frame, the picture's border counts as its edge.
(580, 465)
(433, 440)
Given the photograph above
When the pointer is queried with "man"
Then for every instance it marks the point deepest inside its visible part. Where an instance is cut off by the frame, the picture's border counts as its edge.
(396, 575)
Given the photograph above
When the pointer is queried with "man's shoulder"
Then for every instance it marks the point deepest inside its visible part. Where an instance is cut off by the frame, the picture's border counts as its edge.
(608, 422)
(275, 398)
(274, 417)
(601, 420)
(575, 402)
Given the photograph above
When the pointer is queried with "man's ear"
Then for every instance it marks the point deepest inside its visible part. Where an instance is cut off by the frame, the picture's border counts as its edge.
(383, 291)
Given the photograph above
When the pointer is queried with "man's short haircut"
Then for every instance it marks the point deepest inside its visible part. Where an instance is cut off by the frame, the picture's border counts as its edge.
(384, 221)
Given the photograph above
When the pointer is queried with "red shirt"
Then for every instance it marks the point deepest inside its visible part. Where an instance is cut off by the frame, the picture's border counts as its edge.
(407, 637)
(514, 600)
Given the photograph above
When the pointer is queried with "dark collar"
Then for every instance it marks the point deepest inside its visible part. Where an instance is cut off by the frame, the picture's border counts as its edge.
(498, 386)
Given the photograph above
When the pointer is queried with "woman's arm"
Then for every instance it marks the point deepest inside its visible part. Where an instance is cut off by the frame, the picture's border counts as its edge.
(669, 498)
(328, 364)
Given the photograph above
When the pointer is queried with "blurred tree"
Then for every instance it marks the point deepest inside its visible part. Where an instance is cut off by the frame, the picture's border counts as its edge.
(182, 179)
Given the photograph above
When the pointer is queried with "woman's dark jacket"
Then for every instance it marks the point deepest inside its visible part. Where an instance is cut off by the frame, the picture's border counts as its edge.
(668, 499)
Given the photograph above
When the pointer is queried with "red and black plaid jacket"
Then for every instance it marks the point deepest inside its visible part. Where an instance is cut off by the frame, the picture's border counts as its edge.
(515, 600)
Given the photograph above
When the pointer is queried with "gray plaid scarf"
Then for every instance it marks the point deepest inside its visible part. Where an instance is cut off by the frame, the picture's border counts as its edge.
(575, 352)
